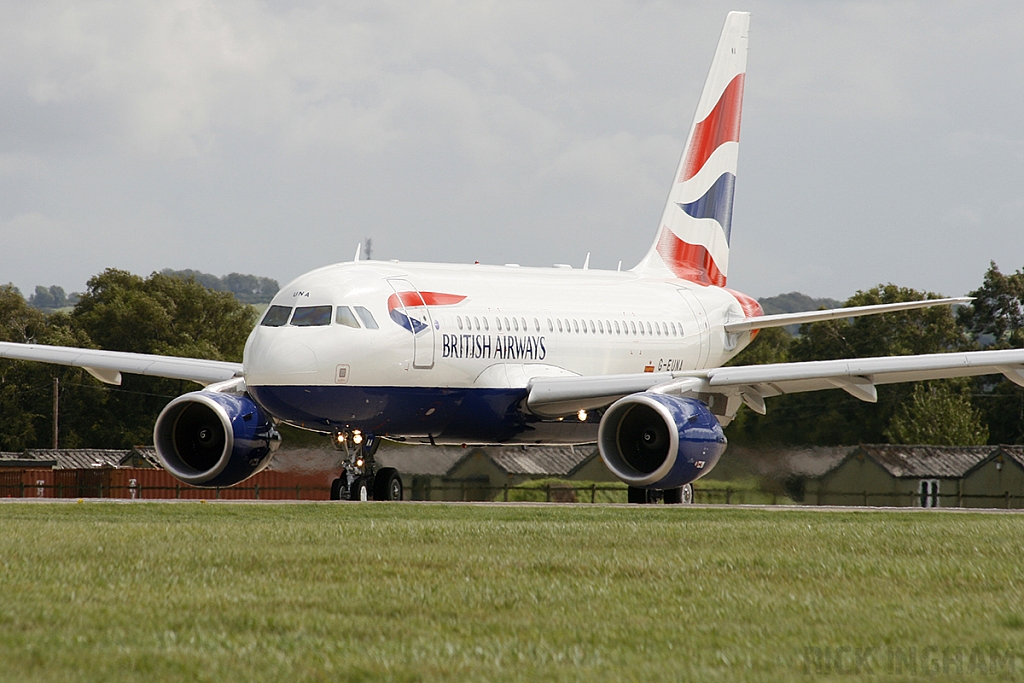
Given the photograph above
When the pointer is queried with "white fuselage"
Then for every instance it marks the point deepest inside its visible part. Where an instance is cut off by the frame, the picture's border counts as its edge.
(484, 332)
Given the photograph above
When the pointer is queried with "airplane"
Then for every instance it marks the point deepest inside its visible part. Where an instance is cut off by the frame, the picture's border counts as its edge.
(482, 354)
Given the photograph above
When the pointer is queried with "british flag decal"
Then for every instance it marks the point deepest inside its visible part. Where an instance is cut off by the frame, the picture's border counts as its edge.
(696, 225)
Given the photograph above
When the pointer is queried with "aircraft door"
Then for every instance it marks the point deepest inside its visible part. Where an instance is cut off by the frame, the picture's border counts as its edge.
(409, 303)
(703, 326)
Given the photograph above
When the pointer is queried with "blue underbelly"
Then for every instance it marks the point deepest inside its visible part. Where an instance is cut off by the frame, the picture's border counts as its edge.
(448, 415)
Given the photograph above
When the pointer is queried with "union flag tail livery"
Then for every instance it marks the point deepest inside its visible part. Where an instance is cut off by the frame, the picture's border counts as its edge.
(693, 238)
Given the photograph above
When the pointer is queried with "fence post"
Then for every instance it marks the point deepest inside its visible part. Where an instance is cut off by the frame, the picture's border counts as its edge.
(298, 492)
(865, 499)
(506, 491)
(593, 493)
(728, 495)
(218, 493)
(22, 488)
(256, 488)
(462, 491)
(774, 498)
(547, 492)
(1007, 500)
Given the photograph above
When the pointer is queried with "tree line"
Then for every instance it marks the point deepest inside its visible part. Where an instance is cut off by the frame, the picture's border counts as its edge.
(162, 314)
(174, 313)
(249, 289)
(967, 411)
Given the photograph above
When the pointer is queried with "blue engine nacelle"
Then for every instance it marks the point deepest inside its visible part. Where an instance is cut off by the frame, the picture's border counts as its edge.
(655, 441)
(210, 439)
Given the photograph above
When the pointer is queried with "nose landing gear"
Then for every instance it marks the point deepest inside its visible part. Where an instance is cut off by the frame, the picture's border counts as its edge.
(360, 478)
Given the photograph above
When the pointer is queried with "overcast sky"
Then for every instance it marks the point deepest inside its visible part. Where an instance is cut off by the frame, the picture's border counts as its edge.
(881, 141)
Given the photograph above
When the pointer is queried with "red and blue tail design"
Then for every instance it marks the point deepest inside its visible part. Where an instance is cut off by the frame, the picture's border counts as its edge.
(400, 303)
(693, 239)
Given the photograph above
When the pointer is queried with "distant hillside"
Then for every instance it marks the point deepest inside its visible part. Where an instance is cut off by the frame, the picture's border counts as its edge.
(795, 302)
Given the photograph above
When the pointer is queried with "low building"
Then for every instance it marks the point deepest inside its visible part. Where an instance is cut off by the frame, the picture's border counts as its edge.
(483, 473)
(919, 476)
(997, 481)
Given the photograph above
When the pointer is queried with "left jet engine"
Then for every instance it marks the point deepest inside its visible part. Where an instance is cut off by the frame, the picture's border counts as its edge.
(212, 439)
(658, 441)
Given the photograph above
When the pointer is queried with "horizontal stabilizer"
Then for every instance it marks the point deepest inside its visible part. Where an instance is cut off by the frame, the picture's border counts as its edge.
(784, 319)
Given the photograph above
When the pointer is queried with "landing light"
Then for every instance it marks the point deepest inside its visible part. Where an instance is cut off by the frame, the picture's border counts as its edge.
(357, 437)
(339, 439)
(582, 415)
(359, 462)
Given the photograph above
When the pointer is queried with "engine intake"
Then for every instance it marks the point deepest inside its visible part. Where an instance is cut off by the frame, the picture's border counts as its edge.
(656, 441)
(211, 439)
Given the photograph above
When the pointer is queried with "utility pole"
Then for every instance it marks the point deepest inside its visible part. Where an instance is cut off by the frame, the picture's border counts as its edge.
(56, 396)
(368, 248)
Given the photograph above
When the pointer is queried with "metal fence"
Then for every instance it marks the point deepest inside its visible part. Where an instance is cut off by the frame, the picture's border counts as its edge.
(472, 491)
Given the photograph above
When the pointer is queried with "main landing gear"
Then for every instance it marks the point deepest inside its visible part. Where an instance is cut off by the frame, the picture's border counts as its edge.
(679, 496)
(360, 478)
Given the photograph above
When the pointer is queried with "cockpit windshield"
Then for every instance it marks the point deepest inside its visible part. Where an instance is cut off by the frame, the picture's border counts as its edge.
(276, 316)
(312, 316)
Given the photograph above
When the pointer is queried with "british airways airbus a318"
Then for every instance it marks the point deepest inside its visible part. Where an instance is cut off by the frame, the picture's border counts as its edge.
(476, 354)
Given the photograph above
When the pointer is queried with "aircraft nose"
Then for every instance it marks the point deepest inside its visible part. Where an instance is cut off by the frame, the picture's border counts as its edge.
(274, 356)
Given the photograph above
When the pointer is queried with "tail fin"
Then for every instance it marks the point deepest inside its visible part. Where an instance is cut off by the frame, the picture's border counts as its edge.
(693, 240)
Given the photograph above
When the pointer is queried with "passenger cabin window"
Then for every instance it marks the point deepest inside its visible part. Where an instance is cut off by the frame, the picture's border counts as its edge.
(345, 317)
(276, 316)
(368, 320)
(312, 316)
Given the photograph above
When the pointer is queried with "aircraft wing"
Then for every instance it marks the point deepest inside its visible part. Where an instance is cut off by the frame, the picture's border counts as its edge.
(107, 366)
(551, 397)
(783, 319)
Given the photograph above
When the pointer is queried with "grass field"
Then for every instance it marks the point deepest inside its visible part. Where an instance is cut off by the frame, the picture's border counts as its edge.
(407, 592)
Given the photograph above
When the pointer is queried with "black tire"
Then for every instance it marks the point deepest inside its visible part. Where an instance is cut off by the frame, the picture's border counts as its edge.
(673, 496)
(387, 485)
(337, 487)
(360, 489)
(637, 496)
(687, 492)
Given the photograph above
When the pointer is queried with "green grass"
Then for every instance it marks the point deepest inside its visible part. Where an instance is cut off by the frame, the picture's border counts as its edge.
(406, 592)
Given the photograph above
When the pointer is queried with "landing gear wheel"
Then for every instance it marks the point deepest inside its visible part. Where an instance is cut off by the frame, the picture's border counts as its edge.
(680, 496)
(338, 488)
(360, 489)
(387, 484)
(637, 496)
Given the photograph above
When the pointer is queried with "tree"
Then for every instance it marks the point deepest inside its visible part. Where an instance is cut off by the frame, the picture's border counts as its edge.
(938, 413)
(124, 312)
(48, 298)
(996, 320)
(249, 289)
(162, 314)
(835, 417)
